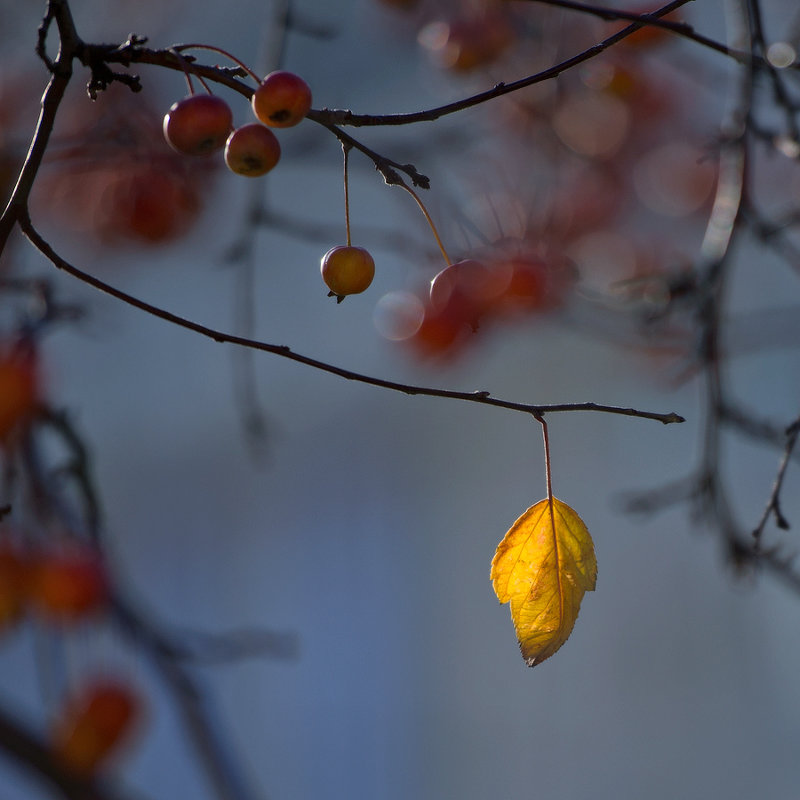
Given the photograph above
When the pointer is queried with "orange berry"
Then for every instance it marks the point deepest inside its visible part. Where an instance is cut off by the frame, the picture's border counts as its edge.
(252, 150)
(347, 270)
(442, 334)
(68, 585)
(282, 99)
(468, 42)
(13, 581)
(19, 389)
(198, 124)
(94, 723)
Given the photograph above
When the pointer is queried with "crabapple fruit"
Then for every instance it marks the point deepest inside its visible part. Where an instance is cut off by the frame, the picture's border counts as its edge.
(19, 390)
(282, 99)
(13, 581)
(252, 150)
(465, 289)
(198, 124)
(468, 42)
(94, 723)
(347, 270)
(66, 586)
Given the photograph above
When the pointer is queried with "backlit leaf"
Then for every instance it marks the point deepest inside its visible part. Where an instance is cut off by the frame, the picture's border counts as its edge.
(543, 567)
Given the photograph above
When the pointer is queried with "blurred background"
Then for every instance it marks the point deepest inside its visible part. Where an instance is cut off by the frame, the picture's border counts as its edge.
(361, 521)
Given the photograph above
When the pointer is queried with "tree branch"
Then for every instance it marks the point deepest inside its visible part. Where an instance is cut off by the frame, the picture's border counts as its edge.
(348, 118)
(682, 29)
(283, 351)
(773, 504)
(29, 750)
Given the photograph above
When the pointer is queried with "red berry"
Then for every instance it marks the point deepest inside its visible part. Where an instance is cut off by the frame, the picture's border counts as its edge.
(198, 124)
(94, 723)
(468, 42)
(19, 390)
(282, 99)
(347, 270)
(14, 574)
(465, 290)
(68, 585)
(526, 288)
(145, 202)
(252, 150)
(442, 334)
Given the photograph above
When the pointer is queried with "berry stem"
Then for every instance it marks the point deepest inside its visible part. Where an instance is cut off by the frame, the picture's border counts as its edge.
(186, 72)
(430, 221)
(222, 52)
(346, 152)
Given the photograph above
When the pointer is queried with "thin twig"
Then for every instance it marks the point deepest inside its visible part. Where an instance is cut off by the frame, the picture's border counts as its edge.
(773, 504)
(330, 117)
(283, 351)
(682, 29)
(32, 752)
(202, 729)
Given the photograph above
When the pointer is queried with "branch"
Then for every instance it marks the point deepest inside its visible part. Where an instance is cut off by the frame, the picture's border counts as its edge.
(773, 504)
(206, 648)
(61, 73)
(283, 351)
(682, 29)
(333, 117)
(29, 750)
(202, 729)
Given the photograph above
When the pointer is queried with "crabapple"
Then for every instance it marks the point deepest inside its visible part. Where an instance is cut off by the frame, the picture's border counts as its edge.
(347, 270)
(282, 99)
(19, 390)
(146, 202)
(465, 290)
(441, 334)
(94, 723)
(13, 581)
(198, 124)
(252, 150)
(68, 585)
(122, 183)
(468, 42)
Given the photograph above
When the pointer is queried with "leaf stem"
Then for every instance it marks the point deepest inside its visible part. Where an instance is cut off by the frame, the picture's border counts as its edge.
(547, 465)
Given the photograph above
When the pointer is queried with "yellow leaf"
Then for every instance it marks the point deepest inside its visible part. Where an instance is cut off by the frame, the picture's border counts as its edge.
(543, 566)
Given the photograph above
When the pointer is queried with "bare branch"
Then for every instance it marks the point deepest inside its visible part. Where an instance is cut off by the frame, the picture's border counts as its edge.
(283, 351)
(682, 29)
(773, 504)
(348, 118)
(24, 745)
(202, 729)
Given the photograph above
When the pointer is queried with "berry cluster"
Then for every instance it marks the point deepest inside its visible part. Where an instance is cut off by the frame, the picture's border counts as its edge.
(202, 124)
